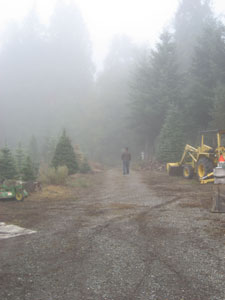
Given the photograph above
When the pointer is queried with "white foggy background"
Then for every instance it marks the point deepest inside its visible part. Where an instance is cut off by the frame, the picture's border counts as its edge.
(142, 20)
(103, 81)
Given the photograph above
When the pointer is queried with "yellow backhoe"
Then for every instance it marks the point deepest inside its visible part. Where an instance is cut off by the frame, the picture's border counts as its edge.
(200, 160)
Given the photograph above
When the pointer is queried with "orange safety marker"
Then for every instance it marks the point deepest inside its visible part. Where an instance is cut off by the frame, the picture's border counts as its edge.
(221, 159)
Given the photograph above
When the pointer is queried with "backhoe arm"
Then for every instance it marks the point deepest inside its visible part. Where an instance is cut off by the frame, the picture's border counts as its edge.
(190, 150)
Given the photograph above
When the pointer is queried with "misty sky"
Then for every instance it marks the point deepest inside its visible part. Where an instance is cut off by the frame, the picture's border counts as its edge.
(142, 20)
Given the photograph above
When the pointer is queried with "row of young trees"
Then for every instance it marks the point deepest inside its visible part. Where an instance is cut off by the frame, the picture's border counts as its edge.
(18, 166)
(21, 166)
(178, 87)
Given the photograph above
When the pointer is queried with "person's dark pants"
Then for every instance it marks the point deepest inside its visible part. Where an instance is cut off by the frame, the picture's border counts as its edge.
(126, 167)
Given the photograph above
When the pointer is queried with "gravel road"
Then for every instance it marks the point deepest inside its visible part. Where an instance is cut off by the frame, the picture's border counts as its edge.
(124, 239)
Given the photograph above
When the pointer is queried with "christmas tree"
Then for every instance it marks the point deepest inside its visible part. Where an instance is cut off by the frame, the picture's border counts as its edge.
(7, 164)
(28, 171)
(64, 154)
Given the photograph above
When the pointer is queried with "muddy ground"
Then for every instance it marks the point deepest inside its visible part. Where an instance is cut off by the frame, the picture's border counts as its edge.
(143, 236)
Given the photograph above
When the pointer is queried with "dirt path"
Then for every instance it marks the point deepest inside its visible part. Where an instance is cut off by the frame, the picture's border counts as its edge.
(124, 240)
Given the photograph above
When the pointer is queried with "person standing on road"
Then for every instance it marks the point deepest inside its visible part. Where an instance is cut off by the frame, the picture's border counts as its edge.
(126, 158)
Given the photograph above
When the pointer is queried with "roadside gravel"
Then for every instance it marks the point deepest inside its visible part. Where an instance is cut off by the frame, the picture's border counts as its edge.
(127, 238)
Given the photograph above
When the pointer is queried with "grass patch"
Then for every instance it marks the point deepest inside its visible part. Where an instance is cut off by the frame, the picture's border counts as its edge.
(122, 206)
(80, 181)
(55, 191)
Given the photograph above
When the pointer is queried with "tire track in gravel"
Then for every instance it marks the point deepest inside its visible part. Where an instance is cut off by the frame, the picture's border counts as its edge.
(119, 242)
(184, 282)
(134, 192)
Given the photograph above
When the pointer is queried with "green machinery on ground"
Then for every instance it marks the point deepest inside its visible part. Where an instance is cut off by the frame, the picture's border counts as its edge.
(12, 190)
(200, 160)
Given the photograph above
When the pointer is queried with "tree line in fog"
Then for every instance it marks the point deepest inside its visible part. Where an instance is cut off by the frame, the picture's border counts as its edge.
(152, 99)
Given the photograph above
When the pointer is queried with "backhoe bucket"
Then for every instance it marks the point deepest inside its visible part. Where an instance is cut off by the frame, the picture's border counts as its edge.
(174, 169)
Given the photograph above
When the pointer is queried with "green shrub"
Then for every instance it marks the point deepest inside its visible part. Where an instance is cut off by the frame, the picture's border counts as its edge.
(51, 175)
(61, 174)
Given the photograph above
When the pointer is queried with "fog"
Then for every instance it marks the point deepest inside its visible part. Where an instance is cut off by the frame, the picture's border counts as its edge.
(147, 96)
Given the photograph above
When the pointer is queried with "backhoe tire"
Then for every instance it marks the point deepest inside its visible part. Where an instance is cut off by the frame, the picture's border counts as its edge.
(188, 172)
(204, 167)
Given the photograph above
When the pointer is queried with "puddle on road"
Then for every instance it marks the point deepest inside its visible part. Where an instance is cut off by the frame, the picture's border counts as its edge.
(8, 231)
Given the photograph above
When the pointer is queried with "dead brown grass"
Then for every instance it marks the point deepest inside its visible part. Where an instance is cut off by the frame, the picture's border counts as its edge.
(122, 206)
(55, 191)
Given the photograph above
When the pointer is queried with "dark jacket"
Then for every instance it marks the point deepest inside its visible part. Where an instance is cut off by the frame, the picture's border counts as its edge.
(126, 156)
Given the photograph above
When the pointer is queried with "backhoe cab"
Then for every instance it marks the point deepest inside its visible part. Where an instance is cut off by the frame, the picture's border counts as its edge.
(201, 160)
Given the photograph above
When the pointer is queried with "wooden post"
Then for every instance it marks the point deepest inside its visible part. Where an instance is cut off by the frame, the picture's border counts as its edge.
(218, 198)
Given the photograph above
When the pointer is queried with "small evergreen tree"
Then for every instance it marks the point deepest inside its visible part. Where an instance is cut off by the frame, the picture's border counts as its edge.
(64, 154)
(28, 170)
(48, 149)
(171, 140)
(19, 158)
(33, 150)
(7, 164)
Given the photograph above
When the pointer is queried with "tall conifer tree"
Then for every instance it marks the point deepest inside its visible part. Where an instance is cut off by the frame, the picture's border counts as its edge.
(207, 75)
(171, 140)
(158, 86)
(190, 20)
